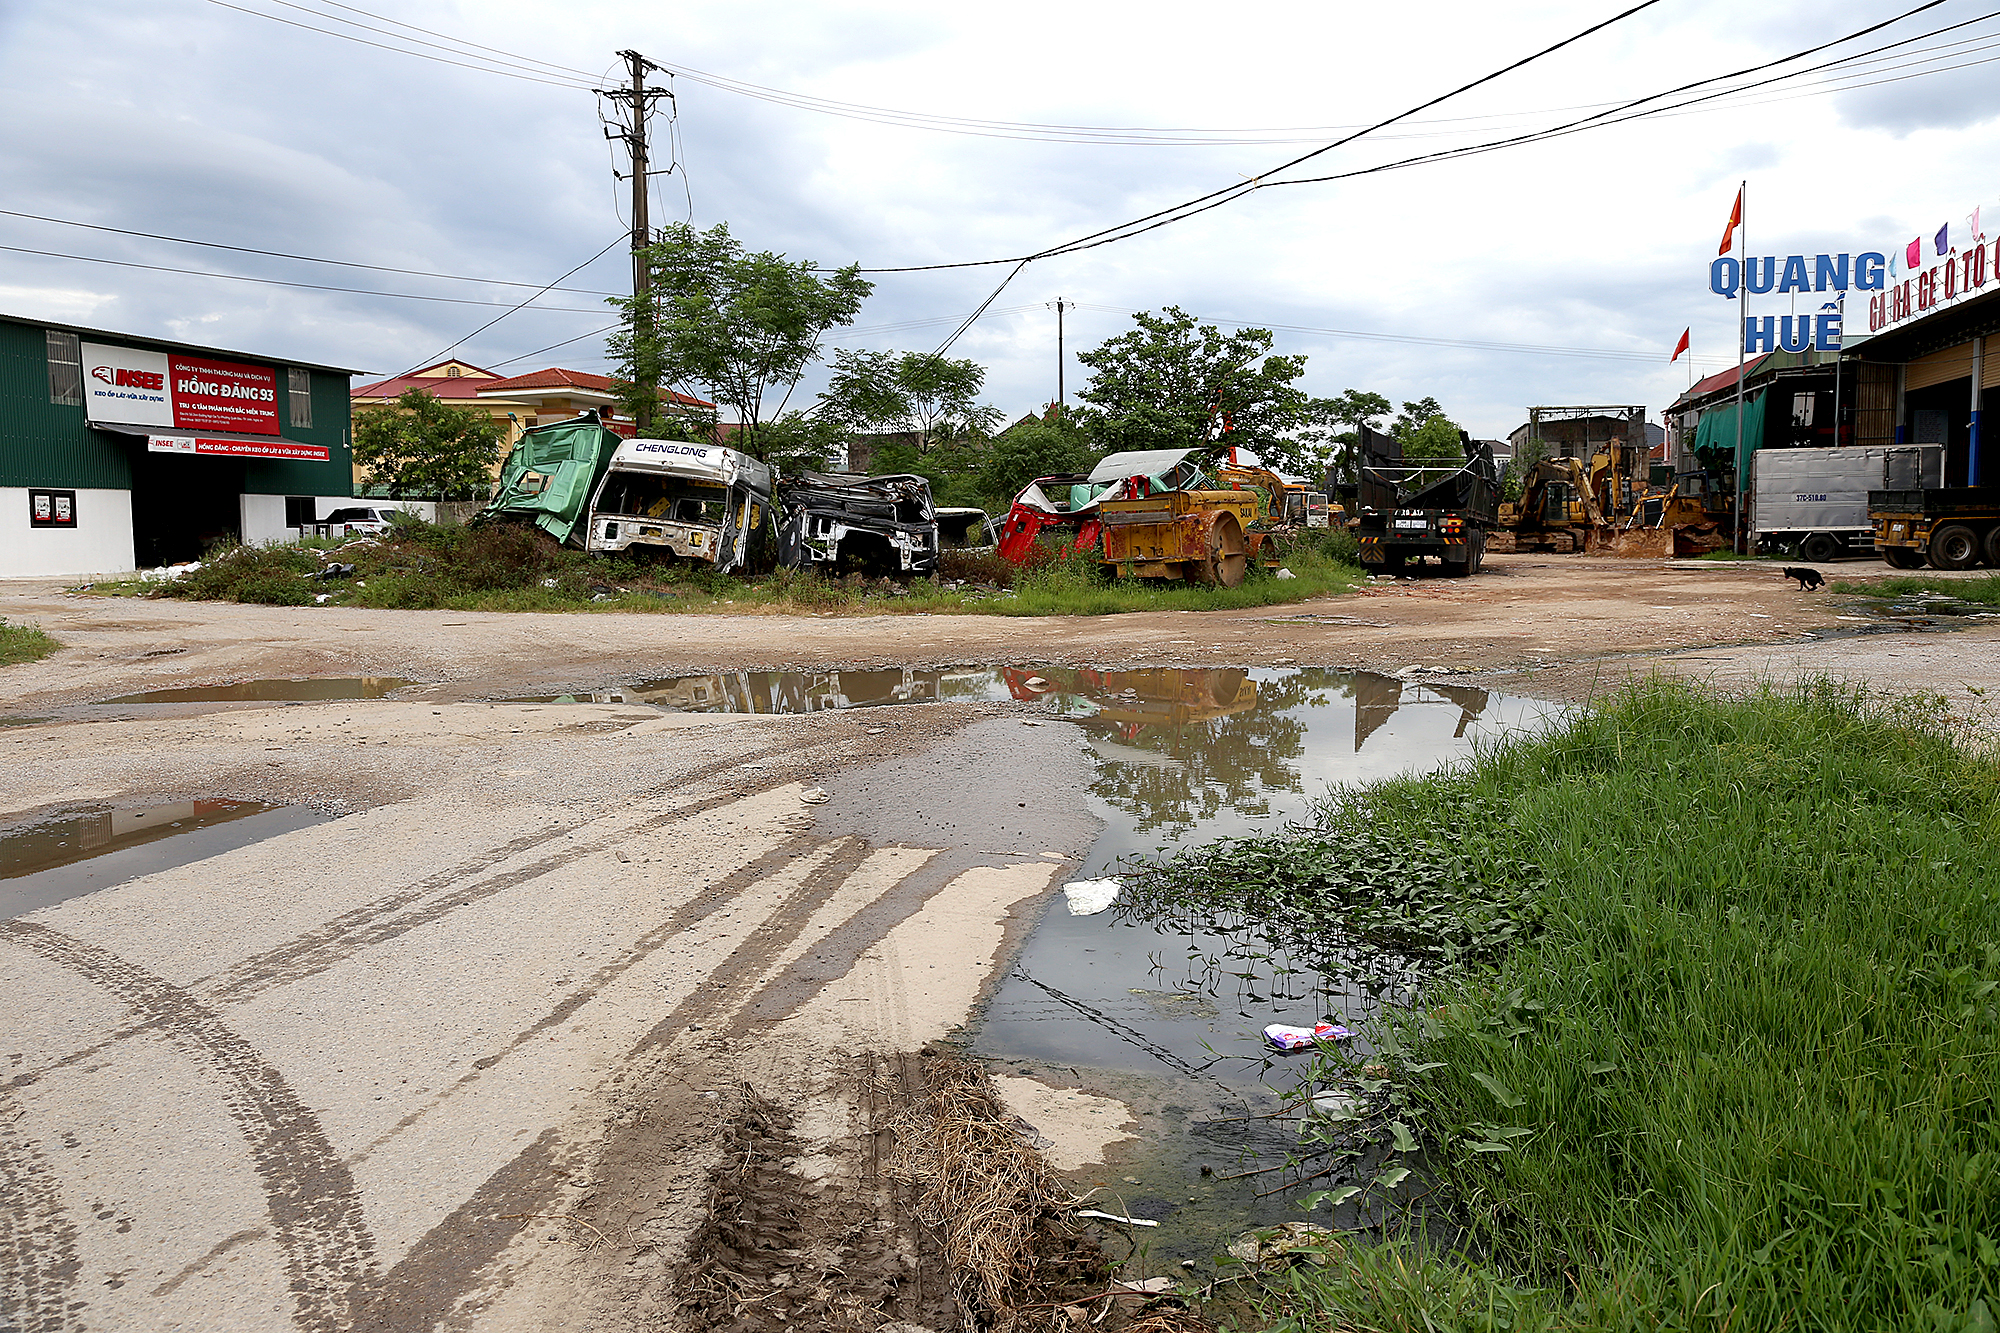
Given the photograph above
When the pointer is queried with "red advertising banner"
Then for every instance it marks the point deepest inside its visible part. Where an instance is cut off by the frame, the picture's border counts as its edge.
(195, 444)
(223, 395)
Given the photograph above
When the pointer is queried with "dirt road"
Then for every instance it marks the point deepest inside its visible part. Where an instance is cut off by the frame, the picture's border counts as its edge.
(469, 1054)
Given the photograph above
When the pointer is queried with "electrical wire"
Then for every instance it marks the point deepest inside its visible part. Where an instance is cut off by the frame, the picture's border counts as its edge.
(502, 315)
(1230, 193)
(304, 259)
(552, 346)
(281, 282)
(488, 68)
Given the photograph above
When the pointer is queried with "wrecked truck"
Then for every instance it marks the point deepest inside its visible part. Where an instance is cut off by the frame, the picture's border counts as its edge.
(847, 523)
(680, 500)
(549, 477)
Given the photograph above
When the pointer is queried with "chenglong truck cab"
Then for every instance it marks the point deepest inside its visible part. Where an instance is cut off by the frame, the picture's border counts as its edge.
(696, 501)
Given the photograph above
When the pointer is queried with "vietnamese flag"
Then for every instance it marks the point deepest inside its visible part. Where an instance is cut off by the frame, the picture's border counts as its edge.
(1680, 346)
(1913, 255)
(1735, 221)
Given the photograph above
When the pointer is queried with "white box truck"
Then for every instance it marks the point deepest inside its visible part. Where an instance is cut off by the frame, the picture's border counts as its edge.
(1813, 503)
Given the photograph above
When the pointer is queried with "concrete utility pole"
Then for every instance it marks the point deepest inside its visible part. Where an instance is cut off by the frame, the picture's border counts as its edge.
(640, 99)
(1061, 305)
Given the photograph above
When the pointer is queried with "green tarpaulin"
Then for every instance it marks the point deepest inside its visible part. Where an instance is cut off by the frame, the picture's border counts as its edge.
(1716, 436)
(549, 477)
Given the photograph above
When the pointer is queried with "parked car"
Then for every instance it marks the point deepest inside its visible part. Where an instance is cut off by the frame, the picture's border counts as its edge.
(358, 520)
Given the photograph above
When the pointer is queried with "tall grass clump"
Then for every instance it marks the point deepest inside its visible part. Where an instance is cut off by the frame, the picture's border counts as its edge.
(1743, 1072)
(23, 643)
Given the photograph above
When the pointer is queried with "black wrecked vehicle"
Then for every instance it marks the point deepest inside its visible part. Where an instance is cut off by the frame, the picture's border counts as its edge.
(847, 523)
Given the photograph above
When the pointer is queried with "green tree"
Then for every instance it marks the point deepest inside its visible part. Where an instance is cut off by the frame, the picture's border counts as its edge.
(1353, 408)
(419, 447)
(1436, 440)
(1531, 451)
(1042, 448)
(1414, 415)
(1173, 383)
(934, 398)
(735, 327)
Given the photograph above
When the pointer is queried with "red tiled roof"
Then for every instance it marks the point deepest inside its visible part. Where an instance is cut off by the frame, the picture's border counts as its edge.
(557, 378)
(441, 386)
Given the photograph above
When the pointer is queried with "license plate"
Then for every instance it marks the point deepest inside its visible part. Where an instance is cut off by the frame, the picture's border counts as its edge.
(1407, 524)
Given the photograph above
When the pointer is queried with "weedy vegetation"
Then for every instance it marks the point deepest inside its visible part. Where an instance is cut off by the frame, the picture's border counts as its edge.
(1985, 590)
(512, 567)
(23, 643)
(1705, 1030)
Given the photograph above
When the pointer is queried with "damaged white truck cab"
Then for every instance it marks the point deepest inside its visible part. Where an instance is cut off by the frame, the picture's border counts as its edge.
(696, 501)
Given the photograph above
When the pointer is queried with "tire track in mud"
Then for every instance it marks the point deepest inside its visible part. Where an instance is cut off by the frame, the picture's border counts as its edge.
(310, 1195)
(431, 899)
(39, 1262)
(688, 915)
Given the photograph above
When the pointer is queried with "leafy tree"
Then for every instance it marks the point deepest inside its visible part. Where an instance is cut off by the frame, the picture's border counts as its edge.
(798, 442)
(1353, 408)
(1174, 384)
(422, 447)
(1033, 449)
(1414, 415)
(1436, 440)
(932, 397)
(738, 327)
(1531, 451)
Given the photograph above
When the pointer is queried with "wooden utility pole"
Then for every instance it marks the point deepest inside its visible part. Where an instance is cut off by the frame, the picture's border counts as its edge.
(639, 99)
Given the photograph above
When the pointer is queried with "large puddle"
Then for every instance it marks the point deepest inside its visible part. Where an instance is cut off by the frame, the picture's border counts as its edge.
(317, 690)
(67, 853)
(1165, 1014)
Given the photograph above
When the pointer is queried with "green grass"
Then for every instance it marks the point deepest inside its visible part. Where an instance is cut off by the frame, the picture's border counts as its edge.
(23, 643)
(512, 568)
(1742, 1072)
(1726, 555)
(1984, 590)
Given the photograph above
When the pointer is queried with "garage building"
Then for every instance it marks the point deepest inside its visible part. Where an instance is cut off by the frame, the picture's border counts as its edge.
(120, 452)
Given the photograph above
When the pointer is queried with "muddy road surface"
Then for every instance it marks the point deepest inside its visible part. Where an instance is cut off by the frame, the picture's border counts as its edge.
(431, 1010)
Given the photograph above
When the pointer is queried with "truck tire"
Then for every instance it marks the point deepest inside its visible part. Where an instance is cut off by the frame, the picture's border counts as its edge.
(1819, 547)
(1954, 546)
(1901, 557)
(1993, 546)
(1227, 558)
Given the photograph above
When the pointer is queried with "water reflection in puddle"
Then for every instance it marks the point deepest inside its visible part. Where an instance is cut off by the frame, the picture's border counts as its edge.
(789, 691)
(318, 690)
(1168, 1016)
(65, 854)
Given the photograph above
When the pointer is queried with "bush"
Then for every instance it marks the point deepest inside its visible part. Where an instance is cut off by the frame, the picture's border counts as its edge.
(270, 575)
(23, 643)
(977, 567)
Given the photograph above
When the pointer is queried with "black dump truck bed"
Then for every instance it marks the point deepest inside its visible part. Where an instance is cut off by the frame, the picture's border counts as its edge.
(1977, 500)
(1387, 482)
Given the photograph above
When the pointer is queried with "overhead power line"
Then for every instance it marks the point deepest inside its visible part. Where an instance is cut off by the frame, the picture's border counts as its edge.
(304, 259)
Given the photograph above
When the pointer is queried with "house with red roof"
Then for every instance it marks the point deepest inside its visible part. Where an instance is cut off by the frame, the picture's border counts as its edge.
(518, 402)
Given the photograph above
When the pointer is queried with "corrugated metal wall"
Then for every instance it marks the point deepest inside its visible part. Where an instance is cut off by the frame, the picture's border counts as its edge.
(1939, 367)
(42, 444)
(1874, 403)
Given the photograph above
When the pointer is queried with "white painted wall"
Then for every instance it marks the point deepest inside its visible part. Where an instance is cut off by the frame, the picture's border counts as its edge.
(100, 543)
(263, 517)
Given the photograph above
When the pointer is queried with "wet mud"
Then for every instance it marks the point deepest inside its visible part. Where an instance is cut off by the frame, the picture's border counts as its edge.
(316, 690)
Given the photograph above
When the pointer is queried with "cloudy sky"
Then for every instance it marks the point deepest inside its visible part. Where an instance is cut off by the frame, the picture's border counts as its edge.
(1559, 271)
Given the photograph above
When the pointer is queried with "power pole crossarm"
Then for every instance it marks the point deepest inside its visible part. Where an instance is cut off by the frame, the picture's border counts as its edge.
(640, 99)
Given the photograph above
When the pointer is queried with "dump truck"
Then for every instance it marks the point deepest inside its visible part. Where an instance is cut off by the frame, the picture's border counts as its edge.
(1948, 527)
(680, 500)
(847, 523)
(1164, 518)
(1416, 511)
(1813, 503)
(550, 476)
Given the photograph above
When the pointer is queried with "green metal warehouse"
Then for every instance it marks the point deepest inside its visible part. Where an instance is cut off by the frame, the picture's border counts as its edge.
(119, 452)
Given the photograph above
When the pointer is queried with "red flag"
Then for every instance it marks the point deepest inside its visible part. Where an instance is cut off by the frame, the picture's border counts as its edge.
(1680, 346)
(1735, 221)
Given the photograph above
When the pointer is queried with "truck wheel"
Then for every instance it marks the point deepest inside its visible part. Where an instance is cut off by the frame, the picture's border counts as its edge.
(1819, 547)
(1901, 557)
(1954, 546)
(1227, 560)
(1993, 546)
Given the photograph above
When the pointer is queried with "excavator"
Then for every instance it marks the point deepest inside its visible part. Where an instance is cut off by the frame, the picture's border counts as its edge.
(1558, 509)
